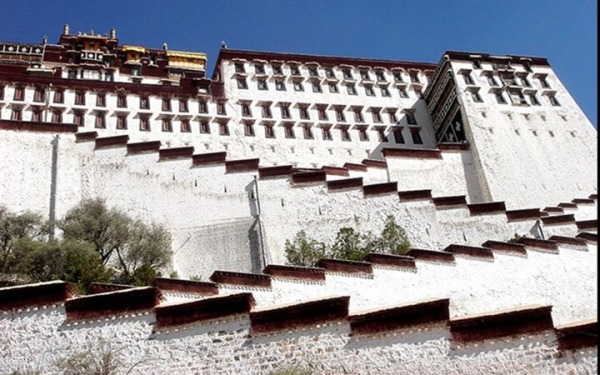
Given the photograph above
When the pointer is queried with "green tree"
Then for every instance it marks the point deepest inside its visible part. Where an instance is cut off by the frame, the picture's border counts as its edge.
(393, 239)
(304, 251)
(351, 245)
(138, 250)
(13, 229)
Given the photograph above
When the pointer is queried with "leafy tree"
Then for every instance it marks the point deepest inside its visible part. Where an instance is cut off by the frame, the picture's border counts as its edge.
(351, 245)
(304, 251)
(138, 250)
(393, 239)
(15, 228)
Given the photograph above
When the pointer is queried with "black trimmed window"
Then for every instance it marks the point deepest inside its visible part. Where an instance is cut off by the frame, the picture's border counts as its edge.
(298, 86)
(416, 136)
(351, 88)
(362, 133)
(241, 83)
(369, 90)
(39, 95)
(223, 128)
(183, 105)
(221, 109)
(184, 126)
(398, 137)
(316, 86)
(326, 133)
(266, 111)
(239, 67)
(19, 94)
(144, 102)
(259, 68)
(121, 122)
(246, 111)
(59, 96)
(285, 111)
(249, 129)
(101, 100)
(333, 87)
(145, 124)
(122, 101)
(381, 134)
(80, 98)
(204, 127)
(345, 133)
(202, 106)
(167, 125)
(307, 131)
(289, 131)
(262, 84)
(269, 131)
(100, 122)
(166, 104)
(279, 85)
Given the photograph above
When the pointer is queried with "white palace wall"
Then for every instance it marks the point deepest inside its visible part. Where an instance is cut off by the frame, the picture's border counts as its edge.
(211, 210)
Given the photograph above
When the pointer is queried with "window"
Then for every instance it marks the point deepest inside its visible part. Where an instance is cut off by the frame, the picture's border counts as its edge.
(277, 69)
(544, 82)
(223, 128)
(414, 77)
(248, 130)
(517, 97)
(266, 111)
(347, 73)
(101, 100)
(385, 91)
(246, 112)
(307, 130)
(17, 114)
(204, 127)
(326, 133)
(109, 77)
(358, 117)
(166, 104)
(339, 114)
(80, 98)
(59, 96)
(304, 113)
(381, 134)
(36, 116)
(144, 124)
(121, 122)
(294, 70)
(362, 133)
(351, 89)
(492, 80)
(279, 85)
(369, 90)
(476, 64)
(500, 98)
(398, 77)
(122, 101)
(316, 86)
(78, 118)
(221, 109)
(72, 74)
(329, 73)
(398, 138)
(289, 131)
(239, 68)
(344, 133)
(144, 102)
(241, 83)
(202, 107)
(312, 70)
(322, 113)
(183, 105)
(416, 136)
(364, 74)
(533, 99)
(410, 118)
(184, 126)
(269, 131)
(393, 117)
(476, 97)
(468, 79)
(285, 111)
(402, 91)
(376, 115)
(262, 84)
(553, 100)
(333, 87)
(380, 76)
(39, 95)
(298, 86)
(259, 68)
(100, 120)
(57, 117)
(525, 82)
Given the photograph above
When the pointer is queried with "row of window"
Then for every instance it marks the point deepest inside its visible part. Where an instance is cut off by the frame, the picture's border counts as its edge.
(333, 87)
(508, 79)
(329, 72)
(517, 97)
(304, 113)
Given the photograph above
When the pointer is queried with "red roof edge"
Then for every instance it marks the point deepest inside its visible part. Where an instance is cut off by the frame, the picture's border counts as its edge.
(391, 260)
(486, 208)
(346, 266)
(186, 286)
(526, 320)
(508, 247)
(347, 183)
(240, 278)
(300, 315)
(577, 335)
(113, 303)
(204, 309)
(473, 251)
(20, 296)
(140, 147)
(308, 273)
(117, 140)
(245, 165)
(431, 255)
(378, 189)
(394, 318)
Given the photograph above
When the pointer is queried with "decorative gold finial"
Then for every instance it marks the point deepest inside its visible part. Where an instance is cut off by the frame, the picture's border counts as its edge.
(113, 33)
(66, 29)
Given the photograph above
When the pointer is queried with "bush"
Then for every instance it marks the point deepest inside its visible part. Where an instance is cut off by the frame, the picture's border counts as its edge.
(304, 251)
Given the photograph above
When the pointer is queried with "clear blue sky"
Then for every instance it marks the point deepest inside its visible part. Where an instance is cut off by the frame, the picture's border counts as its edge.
(564, 31)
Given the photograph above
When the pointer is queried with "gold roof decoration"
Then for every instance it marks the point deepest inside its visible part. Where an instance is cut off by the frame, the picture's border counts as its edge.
(127, 48)
(187, 60)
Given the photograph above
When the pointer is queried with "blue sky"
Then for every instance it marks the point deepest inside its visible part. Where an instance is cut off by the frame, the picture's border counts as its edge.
(564, 31)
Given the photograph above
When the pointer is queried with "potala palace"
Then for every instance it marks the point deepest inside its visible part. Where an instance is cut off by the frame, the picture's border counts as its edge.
(466, 153)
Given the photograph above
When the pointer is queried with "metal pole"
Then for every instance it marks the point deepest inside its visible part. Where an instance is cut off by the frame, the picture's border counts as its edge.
(260, 229)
